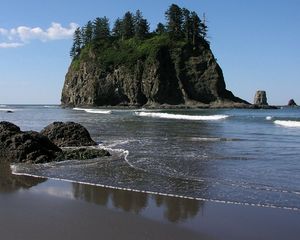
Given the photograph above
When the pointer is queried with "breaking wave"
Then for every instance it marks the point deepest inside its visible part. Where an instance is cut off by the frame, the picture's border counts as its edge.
(180, 116)
(89, 110)
(287, 123)
(6, 110)
(50, 106)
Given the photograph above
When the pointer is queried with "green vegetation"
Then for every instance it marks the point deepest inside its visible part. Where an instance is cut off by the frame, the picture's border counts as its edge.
(130, 39)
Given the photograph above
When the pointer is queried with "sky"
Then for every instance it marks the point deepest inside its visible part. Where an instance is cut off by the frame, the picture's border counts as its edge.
(255, 42)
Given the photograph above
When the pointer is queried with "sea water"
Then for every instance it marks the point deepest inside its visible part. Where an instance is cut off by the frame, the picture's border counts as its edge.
(247, 157)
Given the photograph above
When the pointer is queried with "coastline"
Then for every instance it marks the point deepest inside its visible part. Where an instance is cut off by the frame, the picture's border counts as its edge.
(54, 209)
(180, 106)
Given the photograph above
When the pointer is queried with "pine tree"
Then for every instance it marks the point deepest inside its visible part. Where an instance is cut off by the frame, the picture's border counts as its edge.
(117, 30)
(88, 33)
(160, 29)
(141, 26)
(101, 28)
(77, 43)
(128, 26)
(174, 21)
(196, 22)
(187, 25)
(203, 29)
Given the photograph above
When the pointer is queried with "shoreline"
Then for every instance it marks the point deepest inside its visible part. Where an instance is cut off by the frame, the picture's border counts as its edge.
(174, 107)
(74, 211)
(109, 187)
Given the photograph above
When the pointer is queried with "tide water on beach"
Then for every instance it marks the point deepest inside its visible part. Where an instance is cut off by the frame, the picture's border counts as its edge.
(173, 174)
(37, 208)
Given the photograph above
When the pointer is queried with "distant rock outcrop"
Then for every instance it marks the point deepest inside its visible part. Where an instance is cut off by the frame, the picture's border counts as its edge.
(292, 103)
(260, 98)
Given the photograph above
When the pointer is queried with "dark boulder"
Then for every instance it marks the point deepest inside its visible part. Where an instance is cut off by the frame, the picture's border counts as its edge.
(292, 103)
(19, 146)
(68, 134)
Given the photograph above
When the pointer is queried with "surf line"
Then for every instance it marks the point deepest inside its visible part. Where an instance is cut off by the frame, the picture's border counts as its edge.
(159, 193)
(182, 117)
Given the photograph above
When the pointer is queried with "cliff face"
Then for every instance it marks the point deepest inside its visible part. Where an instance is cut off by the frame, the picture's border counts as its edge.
(173, 75)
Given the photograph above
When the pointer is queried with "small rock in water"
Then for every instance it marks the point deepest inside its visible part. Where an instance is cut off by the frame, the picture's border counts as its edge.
(292, 103)
(260, 98)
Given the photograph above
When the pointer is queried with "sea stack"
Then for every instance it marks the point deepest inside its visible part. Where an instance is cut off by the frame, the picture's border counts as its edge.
(260, 98)
(292, 103)
(163, 68)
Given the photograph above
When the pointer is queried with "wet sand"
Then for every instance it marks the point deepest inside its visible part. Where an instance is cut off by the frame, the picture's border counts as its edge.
(34, 208)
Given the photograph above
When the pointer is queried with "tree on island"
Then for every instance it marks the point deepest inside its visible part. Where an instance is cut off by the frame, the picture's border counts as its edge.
(174, 18)
(141, 25)
(117, 29)
(196, 31)
(101, 28)
(181, 25)
(160, 29)
(128, 26)
(87, 33)
(77, 43)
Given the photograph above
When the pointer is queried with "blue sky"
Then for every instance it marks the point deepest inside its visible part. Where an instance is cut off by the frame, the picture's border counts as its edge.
(256, 43)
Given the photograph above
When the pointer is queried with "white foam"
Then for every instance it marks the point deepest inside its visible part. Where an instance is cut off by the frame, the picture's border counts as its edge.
(269, 118)
(6, 110)
(122, 151)
(48, 106)
(180, 116)
(90, 110)
(287, 123)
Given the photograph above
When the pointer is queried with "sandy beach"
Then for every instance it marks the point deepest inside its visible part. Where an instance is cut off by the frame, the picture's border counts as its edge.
(34, 208)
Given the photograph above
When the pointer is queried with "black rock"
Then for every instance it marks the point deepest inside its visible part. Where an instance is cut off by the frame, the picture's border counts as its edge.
(260, 98)
(19, 146)
(68, 134)
(292, 103)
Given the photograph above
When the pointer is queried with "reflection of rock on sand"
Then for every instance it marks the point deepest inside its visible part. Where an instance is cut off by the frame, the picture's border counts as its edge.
(175, 209)
(10, 182)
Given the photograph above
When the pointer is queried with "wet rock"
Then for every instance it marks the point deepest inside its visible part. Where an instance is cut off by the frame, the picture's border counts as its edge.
(18, 146)
(260, 98)
(68, 134)
(82, 154)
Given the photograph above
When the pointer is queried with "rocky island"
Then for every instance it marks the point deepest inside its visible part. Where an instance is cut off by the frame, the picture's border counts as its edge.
(131, 66)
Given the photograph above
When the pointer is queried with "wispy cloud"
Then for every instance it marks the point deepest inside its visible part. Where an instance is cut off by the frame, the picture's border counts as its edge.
(19, 36)
(11, 44)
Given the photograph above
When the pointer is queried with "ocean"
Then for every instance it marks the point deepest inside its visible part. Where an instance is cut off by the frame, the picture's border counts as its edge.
(235, 156)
